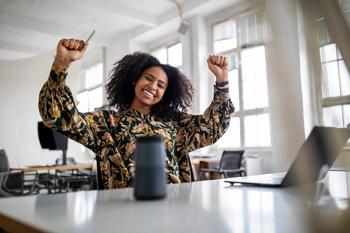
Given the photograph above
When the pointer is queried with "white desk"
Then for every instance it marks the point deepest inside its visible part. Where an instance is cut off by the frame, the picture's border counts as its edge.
(206, 206)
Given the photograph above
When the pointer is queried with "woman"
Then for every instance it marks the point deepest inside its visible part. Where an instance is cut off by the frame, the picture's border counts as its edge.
(151, 99)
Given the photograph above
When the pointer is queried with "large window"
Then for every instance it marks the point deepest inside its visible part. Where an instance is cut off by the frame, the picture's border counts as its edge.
(241, 38)
(334, 80)
(90, 95)
(171, 54)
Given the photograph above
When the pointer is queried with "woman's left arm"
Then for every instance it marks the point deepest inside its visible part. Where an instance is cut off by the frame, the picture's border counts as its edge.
(196, 131)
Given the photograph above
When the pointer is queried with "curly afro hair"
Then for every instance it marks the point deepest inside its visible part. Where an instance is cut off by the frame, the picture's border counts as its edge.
(126, 72)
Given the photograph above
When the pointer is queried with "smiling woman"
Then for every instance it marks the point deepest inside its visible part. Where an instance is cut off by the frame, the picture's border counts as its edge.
(151, 99)
(149, 89)
(140, 81)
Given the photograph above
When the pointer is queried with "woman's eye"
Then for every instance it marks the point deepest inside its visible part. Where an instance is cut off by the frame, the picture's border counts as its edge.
(148, 78)
(161, 86)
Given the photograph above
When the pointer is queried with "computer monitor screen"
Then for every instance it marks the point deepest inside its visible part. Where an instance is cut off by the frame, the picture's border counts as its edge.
(50, 139)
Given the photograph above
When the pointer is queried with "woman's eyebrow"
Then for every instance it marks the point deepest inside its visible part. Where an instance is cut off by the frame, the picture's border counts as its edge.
(150, 75)
(154, 77)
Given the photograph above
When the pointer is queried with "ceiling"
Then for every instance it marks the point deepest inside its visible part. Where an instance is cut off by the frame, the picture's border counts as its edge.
(32, 27)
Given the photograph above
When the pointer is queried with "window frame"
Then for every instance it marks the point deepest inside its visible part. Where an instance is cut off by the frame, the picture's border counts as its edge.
(167, 46)
(243, 113)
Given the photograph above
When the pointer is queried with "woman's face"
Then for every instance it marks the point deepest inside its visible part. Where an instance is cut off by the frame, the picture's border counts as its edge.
(150, 87)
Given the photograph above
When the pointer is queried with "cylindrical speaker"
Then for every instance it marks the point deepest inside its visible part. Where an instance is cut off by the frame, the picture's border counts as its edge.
(150, 177)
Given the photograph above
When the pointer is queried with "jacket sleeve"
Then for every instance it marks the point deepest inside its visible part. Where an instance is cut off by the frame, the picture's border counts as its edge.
(58, 111)
(196, 131)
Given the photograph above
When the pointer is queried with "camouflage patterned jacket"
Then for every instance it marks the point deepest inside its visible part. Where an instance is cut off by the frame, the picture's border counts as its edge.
(110, 134)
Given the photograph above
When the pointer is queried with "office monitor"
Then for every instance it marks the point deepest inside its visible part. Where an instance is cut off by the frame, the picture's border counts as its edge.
(50, 139)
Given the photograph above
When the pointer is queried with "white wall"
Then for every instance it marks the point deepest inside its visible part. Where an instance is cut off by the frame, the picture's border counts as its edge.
(20, 83)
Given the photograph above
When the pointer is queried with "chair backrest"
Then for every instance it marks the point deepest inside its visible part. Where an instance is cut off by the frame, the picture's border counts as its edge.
(193, 176)
(231, 159)
(4, 163)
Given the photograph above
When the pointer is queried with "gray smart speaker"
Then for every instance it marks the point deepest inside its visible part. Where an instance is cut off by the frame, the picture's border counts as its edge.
(150, 177)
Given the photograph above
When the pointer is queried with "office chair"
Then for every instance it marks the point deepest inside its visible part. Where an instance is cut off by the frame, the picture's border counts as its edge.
(229, 165)
(4, 169)
(193, 175)
(71, 180)
(15, 183)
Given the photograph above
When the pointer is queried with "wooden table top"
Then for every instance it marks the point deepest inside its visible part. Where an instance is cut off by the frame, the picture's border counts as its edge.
(55, 167)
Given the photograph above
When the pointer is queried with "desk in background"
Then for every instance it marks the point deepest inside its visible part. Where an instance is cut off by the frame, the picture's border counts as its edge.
(206, 206)
(58, 178)
(55, 167)
(205, 162)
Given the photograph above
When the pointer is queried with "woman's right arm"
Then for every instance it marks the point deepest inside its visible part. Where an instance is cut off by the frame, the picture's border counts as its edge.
(58, 110)
(56, 103)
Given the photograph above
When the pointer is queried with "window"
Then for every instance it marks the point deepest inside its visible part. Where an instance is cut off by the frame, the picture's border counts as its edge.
(335, 81)
(90, 95)
(225, 36)
(171, 55)
(241, 38)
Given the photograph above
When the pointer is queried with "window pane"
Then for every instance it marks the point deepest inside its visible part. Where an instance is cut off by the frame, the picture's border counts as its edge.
(94, 76)
(328, 53)
(223, 45)
(252, 28)
(330, 84)
(231, 138)
(344, 79)
(254, 78)
(233, 60)
(82, 80)
(234, 88)
(257, 130)
(175, 55)
(225, 36)
(83, 102)
(332, 116)
(95, 98)
(161, 55)
(323, 36)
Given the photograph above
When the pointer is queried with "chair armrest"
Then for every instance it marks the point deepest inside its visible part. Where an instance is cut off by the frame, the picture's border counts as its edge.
(232, 170)
(209, 170)
(241, 171)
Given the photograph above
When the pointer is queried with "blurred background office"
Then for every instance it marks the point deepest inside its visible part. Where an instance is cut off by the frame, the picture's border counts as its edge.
(287, 74)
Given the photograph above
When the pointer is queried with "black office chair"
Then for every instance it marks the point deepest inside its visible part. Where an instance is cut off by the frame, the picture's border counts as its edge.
(16, 183)
(4, 163)
(73, 180)
(229, 166)
(4, 168)
(193, 175)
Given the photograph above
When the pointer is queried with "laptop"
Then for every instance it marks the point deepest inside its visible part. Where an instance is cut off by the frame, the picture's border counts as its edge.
(320, 150)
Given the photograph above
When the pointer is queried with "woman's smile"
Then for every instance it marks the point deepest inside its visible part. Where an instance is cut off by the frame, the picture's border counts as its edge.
(148, 93)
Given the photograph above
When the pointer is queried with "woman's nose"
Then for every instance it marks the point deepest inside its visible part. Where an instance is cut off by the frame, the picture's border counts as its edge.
(153, 85)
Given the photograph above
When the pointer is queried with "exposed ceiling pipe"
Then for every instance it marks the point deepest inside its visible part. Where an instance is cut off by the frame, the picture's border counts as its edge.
(184, 25)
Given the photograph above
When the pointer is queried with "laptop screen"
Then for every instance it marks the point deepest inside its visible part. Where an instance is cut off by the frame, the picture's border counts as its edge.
(322, 147)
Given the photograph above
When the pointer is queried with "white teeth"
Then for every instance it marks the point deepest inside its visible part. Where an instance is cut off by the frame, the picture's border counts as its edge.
(149, 93)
